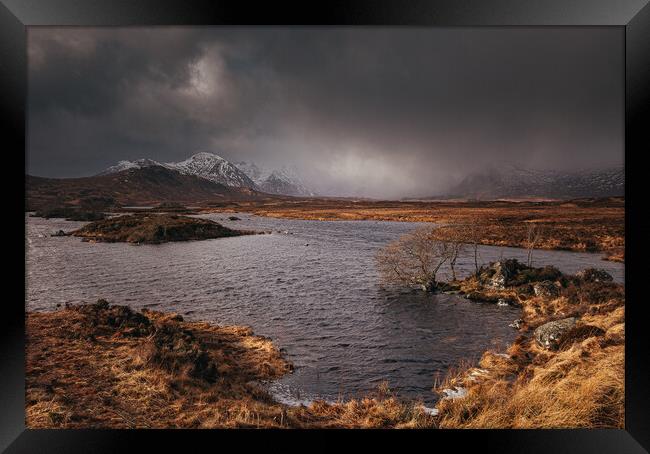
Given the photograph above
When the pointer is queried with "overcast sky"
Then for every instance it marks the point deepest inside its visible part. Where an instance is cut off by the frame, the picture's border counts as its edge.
(379, 112)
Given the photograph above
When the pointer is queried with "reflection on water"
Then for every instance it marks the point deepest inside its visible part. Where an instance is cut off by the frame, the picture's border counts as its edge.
(313, 289)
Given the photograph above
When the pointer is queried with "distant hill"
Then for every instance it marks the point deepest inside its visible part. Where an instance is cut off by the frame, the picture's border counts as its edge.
(133, 186)
(515, 182)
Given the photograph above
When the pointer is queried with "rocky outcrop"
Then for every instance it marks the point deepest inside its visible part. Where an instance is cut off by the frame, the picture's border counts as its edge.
(594, 275)
(546, 289)
(550, 334)
(498, 275)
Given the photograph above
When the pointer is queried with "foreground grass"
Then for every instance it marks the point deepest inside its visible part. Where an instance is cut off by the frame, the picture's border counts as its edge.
(104, 366)
(592, 225)
(579, 385)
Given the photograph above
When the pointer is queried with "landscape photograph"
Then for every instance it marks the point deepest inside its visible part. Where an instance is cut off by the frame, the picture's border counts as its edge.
(325, 228)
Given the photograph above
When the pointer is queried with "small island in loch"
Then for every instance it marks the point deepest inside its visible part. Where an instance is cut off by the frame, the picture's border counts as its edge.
(154, 229)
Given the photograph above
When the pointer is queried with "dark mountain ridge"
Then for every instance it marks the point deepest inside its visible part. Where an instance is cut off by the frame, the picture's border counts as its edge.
(132, 187)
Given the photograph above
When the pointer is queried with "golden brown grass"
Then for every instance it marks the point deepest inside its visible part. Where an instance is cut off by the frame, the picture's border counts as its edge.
(579, 386)
(582, 225)
(85, 371)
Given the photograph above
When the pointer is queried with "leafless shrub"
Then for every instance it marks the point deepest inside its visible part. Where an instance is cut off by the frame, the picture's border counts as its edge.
(414, 259)
(533, 237)
(470, 235)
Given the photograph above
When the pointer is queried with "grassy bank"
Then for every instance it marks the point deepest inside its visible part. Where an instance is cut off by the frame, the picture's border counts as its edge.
(105, 366)
(577, 383)
(592, 225)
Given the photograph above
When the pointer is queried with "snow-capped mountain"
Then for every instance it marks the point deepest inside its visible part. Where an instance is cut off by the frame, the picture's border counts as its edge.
(510, 181)
(127, 165)
(214, 168)
(254, 172)
(205, 165)
(283, 181)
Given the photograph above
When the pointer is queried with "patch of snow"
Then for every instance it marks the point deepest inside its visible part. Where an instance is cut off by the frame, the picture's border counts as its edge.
(457, 392)
(475, 374)
(430, 411)
(288, 396)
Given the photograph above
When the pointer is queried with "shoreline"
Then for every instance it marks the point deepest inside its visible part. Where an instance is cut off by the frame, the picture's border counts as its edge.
(579, 226)
(101, 365)
(105, 366)
(566, 369)
(583, 225)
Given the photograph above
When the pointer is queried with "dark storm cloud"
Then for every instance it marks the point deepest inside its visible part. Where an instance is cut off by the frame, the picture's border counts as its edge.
(366, 111)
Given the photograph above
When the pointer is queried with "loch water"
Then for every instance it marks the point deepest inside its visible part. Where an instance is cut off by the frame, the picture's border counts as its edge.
(312, 286)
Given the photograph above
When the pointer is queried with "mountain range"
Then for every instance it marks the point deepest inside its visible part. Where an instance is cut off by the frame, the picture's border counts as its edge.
(212, 167)
(208, 179)
(138, 185)
(510, 181)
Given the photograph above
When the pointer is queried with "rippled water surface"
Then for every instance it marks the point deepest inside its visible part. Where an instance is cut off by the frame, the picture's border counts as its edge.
(311, 286)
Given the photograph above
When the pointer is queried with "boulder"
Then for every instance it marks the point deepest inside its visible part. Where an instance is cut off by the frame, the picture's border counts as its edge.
(594, 275)
(507, 302)
(499, 274)
(546, 289)
(517, 324)
(549, 335)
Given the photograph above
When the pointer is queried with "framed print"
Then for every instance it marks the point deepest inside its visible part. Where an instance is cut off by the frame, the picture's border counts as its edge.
(342, 218)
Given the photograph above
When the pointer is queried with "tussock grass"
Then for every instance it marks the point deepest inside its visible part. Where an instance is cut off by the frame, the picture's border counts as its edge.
(102, 366)
(580, 385)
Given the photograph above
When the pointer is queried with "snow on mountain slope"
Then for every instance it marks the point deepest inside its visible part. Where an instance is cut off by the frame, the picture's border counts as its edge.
(254, 172)
(127, 165)
(205, 165)
(283, 181)
(214, 168)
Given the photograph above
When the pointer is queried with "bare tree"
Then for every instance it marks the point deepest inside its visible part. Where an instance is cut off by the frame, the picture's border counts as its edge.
(414, 259)
(456, 246)
(471, 234)
(533, 235)
(461, 237)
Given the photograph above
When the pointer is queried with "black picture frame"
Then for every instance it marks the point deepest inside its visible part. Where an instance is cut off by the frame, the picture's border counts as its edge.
(632, 15)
